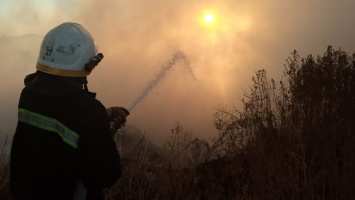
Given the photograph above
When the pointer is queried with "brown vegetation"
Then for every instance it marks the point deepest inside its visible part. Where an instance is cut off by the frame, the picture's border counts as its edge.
(4, 173)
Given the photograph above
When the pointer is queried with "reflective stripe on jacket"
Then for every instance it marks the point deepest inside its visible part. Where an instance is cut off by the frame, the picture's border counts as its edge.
(49, 124)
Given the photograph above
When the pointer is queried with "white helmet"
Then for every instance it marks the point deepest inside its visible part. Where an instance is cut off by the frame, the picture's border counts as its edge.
(65, 50)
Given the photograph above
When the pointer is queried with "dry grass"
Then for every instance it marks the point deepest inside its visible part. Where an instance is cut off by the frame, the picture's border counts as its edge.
(4, 172)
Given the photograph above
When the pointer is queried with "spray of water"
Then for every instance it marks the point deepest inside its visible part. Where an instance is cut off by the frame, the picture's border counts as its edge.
(165, 67)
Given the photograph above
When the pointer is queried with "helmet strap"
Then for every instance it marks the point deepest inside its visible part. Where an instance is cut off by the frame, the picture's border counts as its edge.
(84, 82)
(86, 88)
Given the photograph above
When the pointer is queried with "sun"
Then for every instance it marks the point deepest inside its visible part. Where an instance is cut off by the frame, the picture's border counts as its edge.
(209, 18)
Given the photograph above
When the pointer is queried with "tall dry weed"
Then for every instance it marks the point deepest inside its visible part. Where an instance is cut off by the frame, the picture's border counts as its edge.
(298, 139)
(5, 172)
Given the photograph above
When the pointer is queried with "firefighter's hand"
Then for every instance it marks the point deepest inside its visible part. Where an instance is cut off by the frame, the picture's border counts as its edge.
(118, 117)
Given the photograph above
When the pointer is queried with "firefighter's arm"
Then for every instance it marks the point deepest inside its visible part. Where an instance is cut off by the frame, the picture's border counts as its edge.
(99, 160)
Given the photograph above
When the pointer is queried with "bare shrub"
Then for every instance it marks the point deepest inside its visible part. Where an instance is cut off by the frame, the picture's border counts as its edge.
(299, 138)
(170, 176)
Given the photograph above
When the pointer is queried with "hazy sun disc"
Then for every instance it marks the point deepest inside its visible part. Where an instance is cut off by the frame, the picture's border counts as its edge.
(209, 18)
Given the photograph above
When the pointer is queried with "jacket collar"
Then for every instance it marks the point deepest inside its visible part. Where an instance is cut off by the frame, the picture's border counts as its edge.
(52, 85)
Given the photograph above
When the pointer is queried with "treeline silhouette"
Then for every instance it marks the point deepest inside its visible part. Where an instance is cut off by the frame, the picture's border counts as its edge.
(292, 139)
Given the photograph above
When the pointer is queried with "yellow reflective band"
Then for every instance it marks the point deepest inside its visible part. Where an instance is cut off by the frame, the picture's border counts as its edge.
(62, 72)
(49, 124)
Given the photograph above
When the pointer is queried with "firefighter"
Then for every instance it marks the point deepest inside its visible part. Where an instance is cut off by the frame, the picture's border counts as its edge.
(63, 137)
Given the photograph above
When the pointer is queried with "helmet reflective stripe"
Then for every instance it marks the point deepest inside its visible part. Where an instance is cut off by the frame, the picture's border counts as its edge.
(49, 124)
(66, 49)
(61, 72)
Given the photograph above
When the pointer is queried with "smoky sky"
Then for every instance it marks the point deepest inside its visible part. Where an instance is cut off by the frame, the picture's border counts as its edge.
(137, 36)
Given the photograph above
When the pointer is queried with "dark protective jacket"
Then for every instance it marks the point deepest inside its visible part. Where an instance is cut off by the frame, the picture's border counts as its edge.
(62, 137)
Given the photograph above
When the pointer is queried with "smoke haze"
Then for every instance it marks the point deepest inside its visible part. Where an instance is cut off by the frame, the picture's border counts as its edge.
(136, 36)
